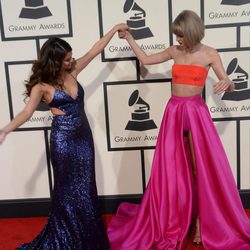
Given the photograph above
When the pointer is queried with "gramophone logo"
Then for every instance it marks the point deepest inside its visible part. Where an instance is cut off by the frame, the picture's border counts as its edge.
(241, 80)
(136, 22)
(140, 119)
(235, 2)
(34, 9)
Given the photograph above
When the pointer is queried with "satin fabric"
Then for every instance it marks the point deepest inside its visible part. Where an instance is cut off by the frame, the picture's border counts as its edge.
(173, 196)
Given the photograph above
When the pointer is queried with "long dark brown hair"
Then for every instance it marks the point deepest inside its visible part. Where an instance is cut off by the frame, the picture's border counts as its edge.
(47, 68)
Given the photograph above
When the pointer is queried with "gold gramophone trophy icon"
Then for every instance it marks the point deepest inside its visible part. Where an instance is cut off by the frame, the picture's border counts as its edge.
(34, 9)
(136, 22)
(140, 117)
(240, 79)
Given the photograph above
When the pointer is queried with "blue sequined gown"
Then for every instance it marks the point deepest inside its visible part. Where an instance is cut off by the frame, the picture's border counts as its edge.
(74, 221)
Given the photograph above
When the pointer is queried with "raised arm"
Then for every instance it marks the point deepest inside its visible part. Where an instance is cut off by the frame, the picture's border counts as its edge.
(97, 48)
(141, 55)
(25, 114)
(224, 83)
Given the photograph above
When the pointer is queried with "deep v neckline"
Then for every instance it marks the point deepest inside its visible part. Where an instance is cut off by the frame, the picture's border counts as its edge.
(67, 94)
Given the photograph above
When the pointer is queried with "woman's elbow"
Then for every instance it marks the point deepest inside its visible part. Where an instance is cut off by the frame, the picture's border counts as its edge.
(144, 61)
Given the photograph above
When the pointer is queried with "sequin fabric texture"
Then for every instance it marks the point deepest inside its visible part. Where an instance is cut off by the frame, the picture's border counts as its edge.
(74, 221)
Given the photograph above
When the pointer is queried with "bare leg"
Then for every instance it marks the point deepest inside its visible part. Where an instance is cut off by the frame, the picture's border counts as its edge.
(197, 236)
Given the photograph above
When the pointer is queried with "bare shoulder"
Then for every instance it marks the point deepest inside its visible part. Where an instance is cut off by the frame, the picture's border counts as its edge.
(173, 50)
(42, 89)
(210, 50)
(211, 54)
(38, 88)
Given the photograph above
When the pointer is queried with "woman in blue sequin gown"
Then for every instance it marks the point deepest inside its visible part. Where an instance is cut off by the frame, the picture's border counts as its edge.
(74, 221)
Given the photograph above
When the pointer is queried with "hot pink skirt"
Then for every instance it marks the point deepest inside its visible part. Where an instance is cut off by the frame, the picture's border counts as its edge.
(174, 197)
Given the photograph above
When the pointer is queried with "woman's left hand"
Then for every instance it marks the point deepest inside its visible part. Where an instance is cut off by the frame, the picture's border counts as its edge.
(121, 27)
(222, 86)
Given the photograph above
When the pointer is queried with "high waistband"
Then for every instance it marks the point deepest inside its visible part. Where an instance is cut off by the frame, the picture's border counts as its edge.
(186, 98)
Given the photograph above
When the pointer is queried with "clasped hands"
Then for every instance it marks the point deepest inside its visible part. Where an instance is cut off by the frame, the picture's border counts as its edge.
(123, 30)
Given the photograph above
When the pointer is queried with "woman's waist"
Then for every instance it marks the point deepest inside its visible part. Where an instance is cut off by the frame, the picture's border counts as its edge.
(183, 90)
(192, 99)
(69, 121)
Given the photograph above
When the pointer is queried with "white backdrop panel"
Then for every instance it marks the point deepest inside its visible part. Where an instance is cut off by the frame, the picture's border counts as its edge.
(218, 13)
(149, 155)
(215, 37)
(23, 166)
(245, 36)
(155, 41)
(239, 107)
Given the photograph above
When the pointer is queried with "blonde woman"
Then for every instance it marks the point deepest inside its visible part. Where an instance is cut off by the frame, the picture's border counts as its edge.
(190, 177)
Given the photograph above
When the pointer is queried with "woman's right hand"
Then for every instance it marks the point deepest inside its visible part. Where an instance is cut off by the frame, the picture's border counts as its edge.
(224, 85)
(2, 136)
(121, 27)
(124, 34)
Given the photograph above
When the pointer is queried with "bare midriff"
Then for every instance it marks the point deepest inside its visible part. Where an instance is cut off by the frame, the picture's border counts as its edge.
(186, 90)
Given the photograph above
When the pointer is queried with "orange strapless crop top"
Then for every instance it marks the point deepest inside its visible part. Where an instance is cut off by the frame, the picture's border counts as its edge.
(189, 74)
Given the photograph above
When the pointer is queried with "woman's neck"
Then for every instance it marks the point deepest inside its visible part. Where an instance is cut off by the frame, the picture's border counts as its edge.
(63, 75)
(194, 49)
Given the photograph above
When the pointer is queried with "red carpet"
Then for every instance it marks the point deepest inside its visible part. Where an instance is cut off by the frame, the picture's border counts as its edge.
(15, 231)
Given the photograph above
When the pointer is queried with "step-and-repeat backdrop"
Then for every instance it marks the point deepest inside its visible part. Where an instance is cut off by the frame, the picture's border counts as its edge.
(124, 101)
